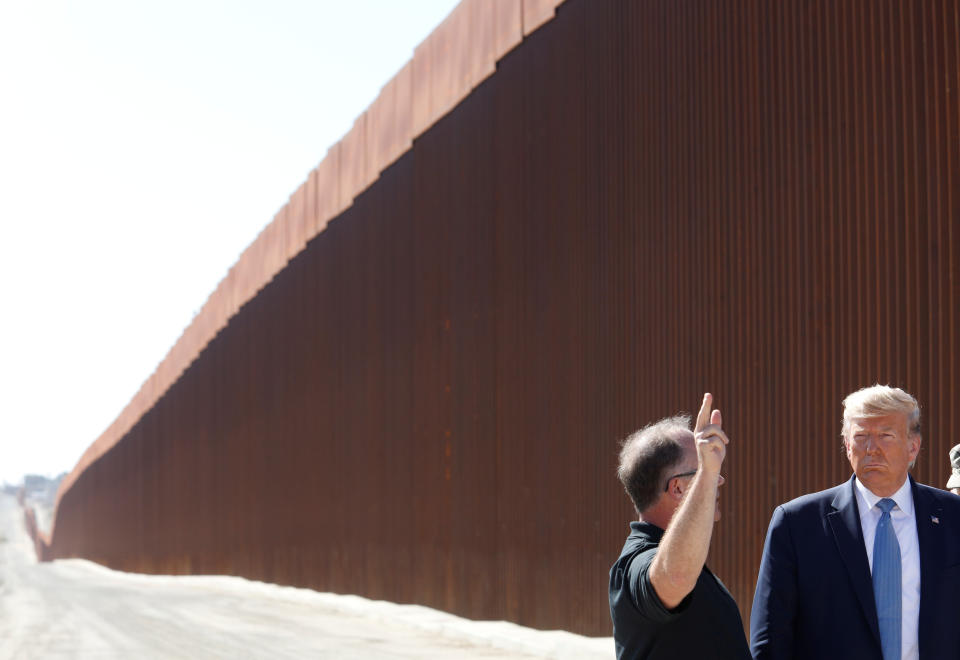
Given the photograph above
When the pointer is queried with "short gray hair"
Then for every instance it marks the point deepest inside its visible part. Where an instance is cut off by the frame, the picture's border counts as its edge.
(647, 454)
(878, 400)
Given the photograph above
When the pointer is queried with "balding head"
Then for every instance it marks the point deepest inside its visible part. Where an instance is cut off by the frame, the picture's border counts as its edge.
(649, 455)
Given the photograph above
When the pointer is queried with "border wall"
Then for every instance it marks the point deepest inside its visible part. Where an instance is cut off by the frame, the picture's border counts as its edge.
(412, 385)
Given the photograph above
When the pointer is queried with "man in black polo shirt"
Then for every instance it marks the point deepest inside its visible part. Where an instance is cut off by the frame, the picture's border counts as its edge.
(665, 603)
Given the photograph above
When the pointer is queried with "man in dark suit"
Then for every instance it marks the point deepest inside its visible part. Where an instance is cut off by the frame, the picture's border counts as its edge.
(870, 568)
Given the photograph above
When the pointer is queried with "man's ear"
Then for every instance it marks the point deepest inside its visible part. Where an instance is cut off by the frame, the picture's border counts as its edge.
(675, 489)
(915, 441)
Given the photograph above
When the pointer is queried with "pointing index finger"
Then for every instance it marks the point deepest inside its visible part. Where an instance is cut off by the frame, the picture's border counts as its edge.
(703, 417)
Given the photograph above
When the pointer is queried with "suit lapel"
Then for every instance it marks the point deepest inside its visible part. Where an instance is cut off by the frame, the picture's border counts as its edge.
(930, 542)
(844, 521)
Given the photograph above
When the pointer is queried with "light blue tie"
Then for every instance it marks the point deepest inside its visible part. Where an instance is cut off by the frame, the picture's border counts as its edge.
(886, 581)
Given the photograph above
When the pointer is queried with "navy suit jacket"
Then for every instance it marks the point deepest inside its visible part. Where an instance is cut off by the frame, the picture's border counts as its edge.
(814, 596)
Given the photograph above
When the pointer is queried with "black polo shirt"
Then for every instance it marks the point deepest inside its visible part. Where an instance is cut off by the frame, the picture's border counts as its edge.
(706, 624)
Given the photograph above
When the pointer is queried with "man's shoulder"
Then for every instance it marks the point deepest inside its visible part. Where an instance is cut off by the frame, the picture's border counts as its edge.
(942, 507)
(815, 501)
(940, 497)
(642, 538)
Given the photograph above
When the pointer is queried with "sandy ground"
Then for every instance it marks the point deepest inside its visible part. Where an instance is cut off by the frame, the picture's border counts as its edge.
(78, 609)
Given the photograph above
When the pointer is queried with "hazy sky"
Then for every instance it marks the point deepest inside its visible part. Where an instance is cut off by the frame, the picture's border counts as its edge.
(143, 145)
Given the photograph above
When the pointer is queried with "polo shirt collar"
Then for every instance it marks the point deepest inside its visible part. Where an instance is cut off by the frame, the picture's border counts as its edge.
(646, 530)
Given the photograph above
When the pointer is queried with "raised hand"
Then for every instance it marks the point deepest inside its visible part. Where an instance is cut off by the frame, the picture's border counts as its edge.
(710, 439)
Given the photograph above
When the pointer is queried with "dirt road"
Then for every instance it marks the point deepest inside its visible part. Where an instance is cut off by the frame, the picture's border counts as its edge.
(77, 609)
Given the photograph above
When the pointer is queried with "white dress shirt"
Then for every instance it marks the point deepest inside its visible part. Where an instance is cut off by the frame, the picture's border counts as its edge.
(905, 525)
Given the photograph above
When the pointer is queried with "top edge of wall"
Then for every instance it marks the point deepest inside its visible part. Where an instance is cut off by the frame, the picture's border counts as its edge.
(446, 66)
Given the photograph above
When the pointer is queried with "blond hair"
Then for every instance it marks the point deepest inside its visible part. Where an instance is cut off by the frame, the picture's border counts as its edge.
(878, 400)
